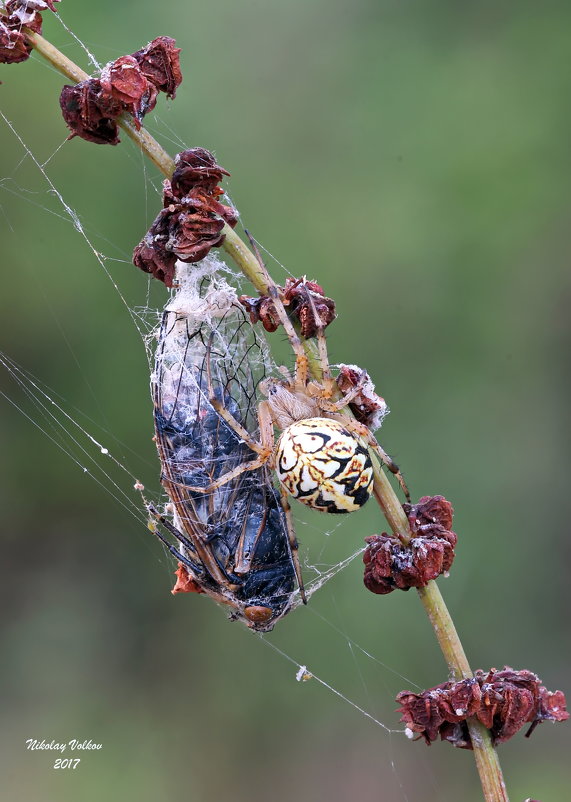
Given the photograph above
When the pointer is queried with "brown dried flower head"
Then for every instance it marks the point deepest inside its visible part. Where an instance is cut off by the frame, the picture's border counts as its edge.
(309, 304)
(151, 255)
(306, 303)
(196, 168)
(191, 222)
(261, 310)
(25, 10)
(123, 80)
(431, 516)
(14, 45)
(502, 700)
(160, 64)
(90, 112)
(367, 406)
(390, 565)
(128, 84)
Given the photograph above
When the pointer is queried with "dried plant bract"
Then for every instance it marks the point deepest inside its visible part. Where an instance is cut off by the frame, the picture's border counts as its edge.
(160, 64)
(389, 564)
(192, 218)
(503, 701)
(304, 301)
(128, 84)
(90, 113)
(367, 406)
(14, 45)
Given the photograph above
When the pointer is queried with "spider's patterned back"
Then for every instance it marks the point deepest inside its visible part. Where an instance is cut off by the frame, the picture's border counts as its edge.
(239, 529)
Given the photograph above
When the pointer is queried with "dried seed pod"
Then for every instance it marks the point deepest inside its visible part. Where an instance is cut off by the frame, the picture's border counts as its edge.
(261, 310)
(25, 10)
(503, 701)
(151, 255)
(160, 64)
(191, 222)
(14, 46)
(194, 227)
(368, 407)
(390, 565)
(90, 112)
(196, 167)
(123, 80)
(309, 304)
(305, 302)
(128, 84)
(432, 515)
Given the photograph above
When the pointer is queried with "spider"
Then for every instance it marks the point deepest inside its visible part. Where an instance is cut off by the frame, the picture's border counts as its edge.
(321, 457)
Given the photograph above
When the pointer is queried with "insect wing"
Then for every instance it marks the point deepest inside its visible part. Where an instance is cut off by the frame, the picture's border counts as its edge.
(235, 541)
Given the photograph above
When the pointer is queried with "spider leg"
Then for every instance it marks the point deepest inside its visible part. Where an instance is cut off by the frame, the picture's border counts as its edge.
(301, 367)
(227, 416)
(391, 465)
(336, 406)
(363, 431)
(264, 449)
(250, 465)
(293, 545)
(322, 350)
(285, 373)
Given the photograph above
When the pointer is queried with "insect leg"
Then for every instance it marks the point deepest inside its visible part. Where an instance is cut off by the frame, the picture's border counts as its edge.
(196, 569)
(293, 545)
(172, 529)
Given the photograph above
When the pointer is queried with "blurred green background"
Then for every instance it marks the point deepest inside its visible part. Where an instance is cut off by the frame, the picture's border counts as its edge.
(414, 158)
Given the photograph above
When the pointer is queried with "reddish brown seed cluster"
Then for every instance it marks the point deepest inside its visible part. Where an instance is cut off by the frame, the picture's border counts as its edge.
(14, 46)
(184, 583)
(367, 406)
(502, 700)
(128, 84)
(306, 303)
(390, 565)
(191, 222)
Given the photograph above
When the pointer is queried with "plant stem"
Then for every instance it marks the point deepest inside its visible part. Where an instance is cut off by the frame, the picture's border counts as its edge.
(56, 57)
(430, 596)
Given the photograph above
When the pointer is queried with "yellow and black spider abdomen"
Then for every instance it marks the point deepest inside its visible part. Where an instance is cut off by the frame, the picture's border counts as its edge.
(322, 464)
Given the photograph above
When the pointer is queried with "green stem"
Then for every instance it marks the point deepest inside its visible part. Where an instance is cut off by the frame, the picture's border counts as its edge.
(484, 752)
